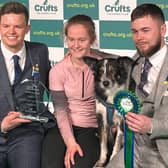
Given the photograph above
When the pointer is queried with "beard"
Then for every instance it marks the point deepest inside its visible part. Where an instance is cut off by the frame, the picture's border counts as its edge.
(152, 50)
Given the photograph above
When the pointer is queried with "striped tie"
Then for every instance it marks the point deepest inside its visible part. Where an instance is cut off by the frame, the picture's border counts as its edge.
(144, 76)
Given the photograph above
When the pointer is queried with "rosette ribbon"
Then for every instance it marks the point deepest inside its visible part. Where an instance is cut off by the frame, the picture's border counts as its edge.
(125, 101)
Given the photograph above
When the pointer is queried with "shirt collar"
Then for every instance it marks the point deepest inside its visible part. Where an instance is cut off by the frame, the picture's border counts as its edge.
(8, 54)
(157, 59)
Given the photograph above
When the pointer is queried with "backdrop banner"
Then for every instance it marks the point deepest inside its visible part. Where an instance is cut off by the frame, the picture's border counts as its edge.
(112, 19)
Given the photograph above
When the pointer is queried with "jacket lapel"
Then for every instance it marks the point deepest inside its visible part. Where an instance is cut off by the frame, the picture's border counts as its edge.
(162, 87)
(27, 68)
(29, 63)
(5, 86)
(137, 71)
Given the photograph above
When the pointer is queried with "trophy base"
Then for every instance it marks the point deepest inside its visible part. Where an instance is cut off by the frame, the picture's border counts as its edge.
(35, 118)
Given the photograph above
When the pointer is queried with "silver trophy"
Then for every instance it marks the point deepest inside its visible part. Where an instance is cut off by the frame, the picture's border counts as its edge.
(29, 98)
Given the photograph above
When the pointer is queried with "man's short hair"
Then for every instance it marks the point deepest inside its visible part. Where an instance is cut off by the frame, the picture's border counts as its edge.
(148, 9)
(16, 8)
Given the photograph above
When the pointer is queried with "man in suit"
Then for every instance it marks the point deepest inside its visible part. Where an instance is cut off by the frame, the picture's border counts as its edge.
(151, 124)
(20, 139)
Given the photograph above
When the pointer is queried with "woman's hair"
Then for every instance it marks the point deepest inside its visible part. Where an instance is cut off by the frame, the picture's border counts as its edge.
(16, 8)
(148, 9)
(84, 20)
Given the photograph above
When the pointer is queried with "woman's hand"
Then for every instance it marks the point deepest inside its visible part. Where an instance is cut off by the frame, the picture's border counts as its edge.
(72, 149)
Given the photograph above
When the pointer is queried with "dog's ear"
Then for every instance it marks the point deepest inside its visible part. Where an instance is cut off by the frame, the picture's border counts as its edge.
(125, 61)
(91, 62)
(124, 65)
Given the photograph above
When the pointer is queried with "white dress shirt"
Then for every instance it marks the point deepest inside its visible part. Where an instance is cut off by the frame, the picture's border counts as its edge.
(9, 60)
(157, 61)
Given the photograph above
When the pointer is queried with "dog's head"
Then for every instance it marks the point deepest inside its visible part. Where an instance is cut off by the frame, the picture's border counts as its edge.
(111, 75)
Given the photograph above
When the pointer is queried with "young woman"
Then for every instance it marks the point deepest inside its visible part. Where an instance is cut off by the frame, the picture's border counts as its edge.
(72, 88)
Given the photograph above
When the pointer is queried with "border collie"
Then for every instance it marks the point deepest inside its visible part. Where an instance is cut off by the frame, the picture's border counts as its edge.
(111, 75)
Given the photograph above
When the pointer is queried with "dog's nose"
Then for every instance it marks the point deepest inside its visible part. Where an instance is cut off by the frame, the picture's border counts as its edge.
(106, 83)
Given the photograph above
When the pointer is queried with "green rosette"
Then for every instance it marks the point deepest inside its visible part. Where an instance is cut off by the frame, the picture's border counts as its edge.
(125, 101)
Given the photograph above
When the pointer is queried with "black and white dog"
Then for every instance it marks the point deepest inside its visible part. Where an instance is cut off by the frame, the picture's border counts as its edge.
(111, 75)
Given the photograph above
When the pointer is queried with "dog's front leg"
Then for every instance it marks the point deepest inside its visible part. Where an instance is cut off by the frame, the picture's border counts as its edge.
(101, 110)
(118, 121)
(118, 142)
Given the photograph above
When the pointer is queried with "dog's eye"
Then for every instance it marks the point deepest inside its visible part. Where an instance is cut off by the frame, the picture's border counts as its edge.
(101, 71)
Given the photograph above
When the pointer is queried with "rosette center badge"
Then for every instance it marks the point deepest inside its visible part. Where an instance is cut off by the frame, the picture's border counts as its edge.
(126, 104)
(125, 101)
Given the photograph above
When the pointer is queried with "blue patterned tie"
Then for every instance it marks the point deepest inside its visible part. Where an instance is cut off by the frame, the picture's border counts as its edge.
(17, 68)
(144, 76)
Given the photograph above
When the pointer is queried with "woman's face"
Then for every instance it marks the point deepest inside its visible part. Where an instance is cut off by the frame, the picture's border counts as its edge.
(78, 40)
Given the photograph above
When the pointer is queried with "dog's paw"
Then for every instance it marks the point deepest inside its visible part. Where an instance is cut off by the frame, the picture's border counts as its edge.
(113, 154)
(99, 164)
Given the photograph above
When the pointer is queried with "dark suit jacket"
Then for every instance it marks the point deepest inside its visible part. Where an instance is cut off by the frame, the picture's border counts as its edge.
(36, 53)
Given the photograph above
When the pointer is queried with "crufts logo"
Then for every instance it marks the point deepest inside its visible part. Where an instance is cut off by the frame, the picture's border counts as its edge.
(46, 7)
(45, 2)
(117, 8)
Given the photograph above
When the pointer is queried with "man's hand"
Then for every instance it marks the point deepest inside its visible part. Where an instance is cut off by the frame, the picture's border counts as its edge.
(12, 120)
(138, 123)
